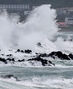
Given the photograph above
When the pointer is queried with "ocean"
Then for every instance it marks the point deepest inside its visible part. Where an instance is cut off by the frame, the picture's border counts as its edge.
(37, 77)
(16, 69)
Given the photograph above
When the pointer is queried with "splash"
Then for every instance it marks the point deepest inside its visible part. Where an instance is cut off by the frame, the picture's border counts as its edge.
(40, 26)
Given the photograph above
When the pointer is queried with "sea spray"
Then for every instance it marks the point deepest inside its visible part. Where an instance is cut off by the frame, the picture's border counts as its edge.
(40, 26)
(7, 29)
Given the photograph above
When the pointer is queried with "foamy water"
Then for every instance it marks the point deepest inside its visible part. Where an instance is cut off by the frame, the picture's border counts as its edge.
(40, 26)
(45, 78)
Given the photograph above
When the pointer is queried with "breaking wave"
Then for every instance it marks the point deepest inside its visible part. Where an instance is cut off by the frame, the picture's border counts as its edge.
(40, 26)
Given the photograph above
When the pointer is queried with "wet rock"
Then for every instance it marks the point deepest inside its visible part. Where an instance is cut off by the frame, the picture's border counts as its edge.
(39, 44)
(21, 60)
(53, 54)
(71, 56)
(9, 55)
(18, 50)
(10, 76)
(7, 76)
(22, 51)
(3, 60)
(43, 55)
(64, 56)
(43, 61)
(60, 55)
(51, 63)
(28, 51)
(11, 59)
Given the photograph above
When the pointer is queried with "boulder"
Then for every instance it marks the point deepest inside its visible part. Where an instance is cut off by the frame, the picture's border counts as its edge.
(9, 55)
(71, 56)
(21, 60)
(43, 61)
(28, 51)
(3, 60)
(18, 50)
(60, 55)
(11, 59)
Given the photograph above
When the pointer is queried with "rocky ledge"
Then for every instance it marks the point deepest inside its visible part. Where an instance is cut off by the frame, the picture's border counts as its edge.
(27, 56)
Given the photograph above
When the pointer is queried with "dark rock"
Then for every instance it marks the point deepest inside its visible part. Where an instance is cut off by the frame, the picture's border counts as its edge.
(18, 50)
(64, 56)
(3, 60)
(21, 60)
(43, 61)
(43, 55)
(9, 55)
(39, 44)
(52, 54)
(60, 55)
(13, 59)
(51, 63)
(28, 51)
(71, 56)
(10, 59)
(22, 51)
(10, 76)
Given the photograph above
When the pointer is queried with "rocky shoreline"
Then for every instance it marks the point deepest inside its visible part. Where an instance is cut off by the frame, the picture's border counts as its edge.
(27, 56)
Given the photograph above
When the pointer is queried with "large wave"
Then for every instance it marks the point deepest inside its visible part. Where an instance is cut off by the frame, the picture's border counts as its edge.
(40, 26)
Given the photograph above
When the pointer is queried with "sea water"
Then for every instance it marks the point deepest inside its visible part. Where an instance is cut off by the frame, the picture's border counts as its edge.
(39, 27)
(37, 78)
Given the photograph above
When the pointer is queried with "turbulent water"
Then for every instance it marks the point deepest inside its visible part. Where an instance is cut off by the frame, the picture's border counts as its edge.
(37, 78)
(39, 27)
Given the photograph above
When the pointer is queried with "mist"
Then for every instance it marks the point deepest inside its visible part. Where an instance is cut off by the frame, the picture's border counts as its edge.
(40, 26)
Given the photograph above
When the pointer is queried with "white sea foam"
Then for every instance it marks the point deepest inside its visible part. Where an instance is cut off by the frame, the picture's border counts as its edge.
(40, 26)
(38, 83)
(64, 46)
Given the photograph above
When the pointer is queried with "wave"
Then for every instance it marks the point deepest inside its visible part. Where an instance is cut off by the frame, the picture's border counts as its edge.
(40, 26)
(37, 83)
